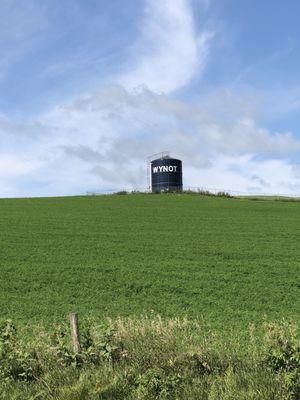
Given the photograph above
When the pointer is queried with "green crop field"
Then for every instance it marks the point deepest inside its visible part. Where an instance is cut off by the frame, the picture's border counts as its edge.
(230, 262)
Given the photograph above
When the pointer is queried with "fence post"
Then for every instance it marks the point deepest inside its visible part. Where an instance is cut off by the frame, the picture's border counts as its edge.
(75, 332)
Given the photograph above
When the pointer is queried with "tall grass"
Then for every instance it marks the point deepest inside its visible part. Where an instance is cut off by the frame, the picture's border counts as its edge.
(148, 358)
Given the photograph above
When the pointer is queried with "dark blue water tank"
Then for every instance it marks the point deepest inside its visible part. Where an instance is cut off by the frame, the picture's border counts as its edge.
(166, 174)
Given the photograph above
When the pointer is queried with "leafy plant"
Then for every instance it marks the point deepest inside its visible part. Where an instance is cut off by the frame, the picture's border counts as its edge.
(283, 354)
(109, 348)
(16, 362)
(156, 383)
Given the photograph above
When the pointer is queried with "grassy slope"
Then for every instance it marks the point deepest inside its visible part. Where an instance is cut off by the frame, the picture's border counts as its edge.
(149, 359)
(228, 260)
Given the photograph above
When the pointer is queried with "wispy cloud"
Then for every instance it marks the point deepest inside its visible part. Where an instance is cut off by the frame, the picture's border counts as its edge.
(169, 52)
(273, 58)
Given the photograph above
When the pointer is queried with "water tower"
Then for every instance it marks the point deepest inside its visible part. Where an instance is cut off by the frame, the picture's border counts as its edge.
(165, 173)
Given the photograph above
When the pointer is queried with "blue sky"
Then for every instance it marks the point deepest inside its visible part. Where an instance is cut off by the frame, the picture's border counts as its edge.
(90, 88)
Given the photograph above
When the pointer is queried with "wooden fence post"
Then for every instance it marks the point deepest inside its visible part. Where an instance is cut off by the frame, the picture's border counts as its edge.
(75, 332)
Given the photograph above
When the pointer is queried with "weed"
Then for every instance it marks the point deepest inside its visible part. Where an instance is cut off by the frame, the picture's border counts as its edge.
(146, 359)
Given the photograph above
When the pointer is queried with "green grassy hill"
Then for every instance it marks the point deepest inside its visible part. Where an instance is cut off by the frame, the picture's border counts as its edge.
(228, 261)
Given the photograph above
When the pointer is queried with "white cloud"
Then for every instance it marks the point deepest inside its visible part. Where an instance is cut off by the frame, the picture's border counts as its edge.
(246, 175)
(102, 141)
(169, 52)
